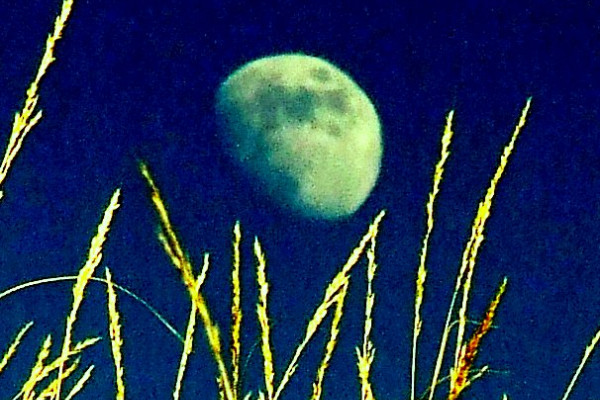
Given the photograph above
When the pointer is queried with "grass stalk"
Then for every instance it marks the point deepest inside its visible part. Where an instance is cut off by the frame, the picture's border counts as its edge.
(80, 384)
(331, 342)
(116, 340)
(173, 248)
(586, 355)
(85, 273)
(367, 354)
(459, 377)
(28, 117)
(189, 333)
(44, 281)
(328, 300)
(463, 280)
(422, 271)
(236, 310)
(10, 352)
(263, 319)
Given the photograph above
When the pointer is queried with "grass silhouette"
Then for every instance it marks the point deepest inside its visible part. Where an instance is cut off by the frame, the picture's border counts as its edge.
(50, 378)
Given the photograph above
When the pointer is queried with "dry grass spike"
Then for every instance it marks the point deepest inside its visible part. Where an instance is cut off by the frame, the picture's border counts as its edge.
(80, 384)
(422, 271)
(10, 352)
(173, 248)
(329, 300)
(116, 340)
(236, 310)
(463, 280)
(263, 319)
(29, 116)
(586, 355)
(332, 341)
(189, 333)
(367, 355)
(85, 273)
(460, 379)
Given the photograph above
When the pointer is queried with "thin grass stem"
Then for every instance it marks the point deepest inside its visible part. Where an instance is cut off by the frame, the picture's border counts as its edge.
(422, 271)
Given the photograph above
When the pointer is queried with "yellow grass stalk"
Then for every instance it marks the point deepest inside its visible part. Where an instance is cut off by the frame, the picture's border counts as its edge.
(328, 300)
(168, 237)
(460, 379)
(189, 333)
(422, 271)
(463, 279)
(52, 389)
(210, 328)
(221, 388)
(29, 116)
(85, 273)
(366, 357)
(263, 319)
(332, 342)
(41, 371)
(36, 373)
(116, 341)
(477, 236)
(588, 351)
(13, 346)
(364, 369)
(80, 383)
(236, 310)
(172, 247)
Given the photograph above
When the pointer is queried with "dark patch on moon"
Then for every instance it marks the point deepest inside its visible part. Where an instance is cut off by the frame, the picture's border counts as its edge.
(321, 74)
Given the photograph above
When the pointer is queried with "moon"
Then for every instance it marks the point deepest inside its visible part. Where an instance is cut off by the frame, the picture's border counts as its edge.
(304, 132)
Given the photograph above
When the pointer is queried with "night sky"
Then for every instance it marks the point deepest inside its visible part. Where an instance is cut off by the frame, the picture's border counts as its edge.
(136, 81)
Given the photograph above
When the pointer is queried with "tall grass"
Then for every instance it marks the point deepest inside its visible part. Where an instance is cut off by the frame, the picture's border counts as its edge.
(49, 377)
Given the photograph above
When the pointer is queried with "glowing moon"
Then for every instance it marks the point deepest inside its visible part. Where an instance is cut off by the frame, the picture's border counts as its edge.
(304, 131)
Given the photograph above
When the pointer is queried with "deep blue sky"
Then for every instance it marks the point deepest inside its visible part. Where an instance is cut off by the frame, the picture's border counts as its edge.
(137, 80)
